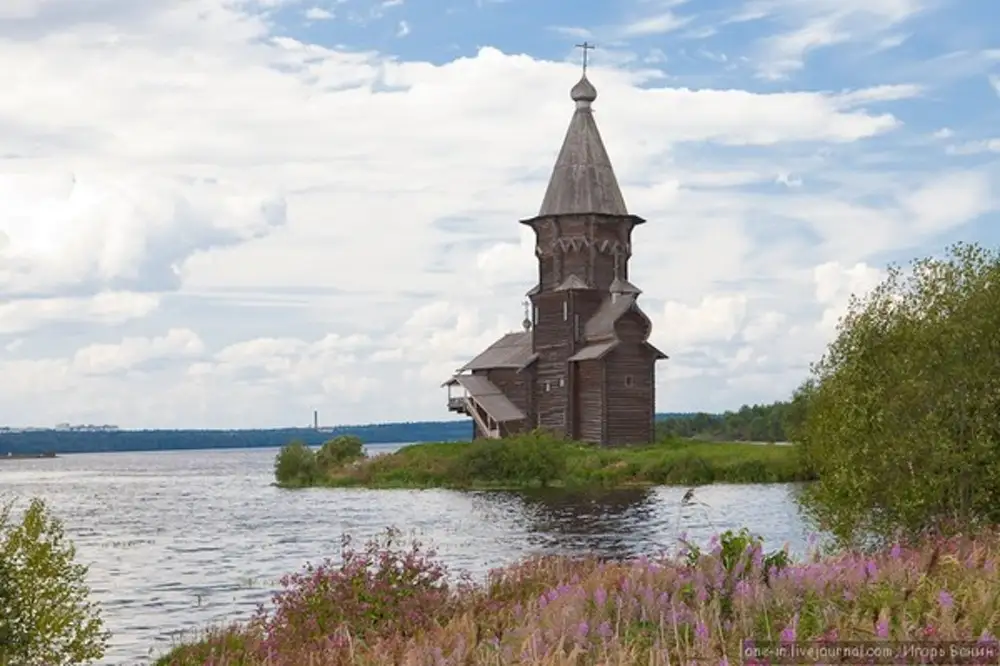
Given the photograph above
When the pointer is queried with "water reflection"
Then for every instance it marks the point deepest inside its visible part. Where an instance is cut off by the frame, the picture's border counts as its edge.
(591, 521)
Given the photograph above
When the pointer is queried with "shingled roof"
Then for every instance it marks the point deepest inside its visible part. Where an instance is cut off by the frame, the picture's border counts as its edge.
(513, 350)
(599, 331)
(583, 180)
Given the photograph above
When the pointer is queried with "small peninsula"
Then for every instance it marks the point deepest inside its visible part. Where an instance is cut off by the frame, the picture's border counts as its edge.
(535, 460)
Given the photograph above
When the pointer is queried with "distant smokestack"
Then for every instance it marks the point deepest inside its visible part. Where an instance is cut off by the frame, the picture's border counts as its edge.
(315, 419)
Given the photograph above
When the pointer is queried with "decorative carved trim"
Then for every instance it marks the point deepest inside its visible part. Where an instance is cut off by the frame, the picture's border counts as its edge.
(580, 243)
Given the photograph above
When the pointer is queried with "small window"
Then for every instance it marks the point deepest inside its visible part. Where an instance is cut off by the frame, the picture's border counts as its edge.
(534, 314)
(565, 310)
(577, 333)
(629, 381)
(548, 387)
(562, 381)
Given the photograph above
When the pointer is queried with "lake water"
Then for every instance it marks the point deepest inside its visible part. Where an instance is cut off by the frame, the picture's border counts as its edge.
(176, 540)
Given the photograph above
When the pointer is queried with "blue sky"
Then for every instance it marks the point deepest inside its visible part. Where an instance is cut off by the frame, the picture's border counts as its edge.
(228, 213)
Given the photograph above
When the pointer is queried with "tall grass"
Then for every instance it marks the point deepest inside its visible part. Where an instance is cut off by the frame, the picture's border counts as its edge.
(390, 605)
(538, 460)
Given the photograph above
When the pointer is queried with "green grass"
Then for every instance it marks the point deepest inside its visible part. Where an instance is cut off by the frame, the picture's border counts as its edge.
(537, 460)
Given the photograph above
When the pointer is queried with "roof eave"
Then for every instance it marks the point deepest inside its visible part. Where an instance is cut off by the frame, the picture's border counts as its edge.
(635, 219)
(660, 356)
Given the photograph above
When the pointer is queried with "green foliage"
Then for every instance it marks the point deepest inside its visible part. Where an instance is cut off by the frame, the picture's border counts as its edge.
(295, 465)
(45, 617)
(532, 458)
(339, 451)
(538, 459)
(750, 423)
(901, 421)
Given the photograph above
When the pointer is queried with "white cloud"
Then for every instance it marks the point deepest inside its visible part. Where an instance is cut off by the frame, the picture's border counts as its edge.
(403, 29)
(240, 227)
(318, 14)
(810, 26)
(974, 147)
(102, 359)
(653, 25)
(108, 308)
(572, 31)
(717, 317)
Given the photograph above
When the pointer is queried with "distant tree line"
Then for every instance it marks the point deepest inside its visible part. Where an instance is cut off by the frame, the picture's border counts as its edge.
(59, 441)
(750, 423)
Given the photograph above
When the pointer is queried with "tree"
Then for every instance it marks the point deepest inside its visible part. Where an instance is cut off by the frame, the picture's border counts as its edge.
(901, 413)
(339, 451)
(45, 616)
(295, 465)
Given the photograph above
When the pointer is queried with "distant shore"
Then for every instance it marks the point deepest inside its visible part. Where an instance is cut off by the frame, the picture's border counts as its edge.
(27, 456)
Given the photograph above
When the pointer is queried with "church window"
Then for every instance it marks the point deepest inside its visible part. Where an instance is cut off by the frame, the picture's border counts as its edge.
(629, 381)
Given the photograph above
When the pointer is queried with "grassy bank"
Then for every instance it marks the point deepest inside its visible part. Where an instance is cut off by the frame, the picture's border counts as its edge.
(537, 460)
(387, 605)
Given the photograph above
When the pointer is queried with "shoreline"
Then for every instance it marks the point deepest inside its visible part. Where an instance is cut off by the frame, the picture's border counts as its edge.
(536, 461)
(697, 605)
(28, 456)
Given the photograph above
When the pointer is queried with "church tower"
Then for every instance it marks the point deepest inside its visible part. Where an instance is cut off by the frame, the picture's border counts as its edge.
(583, 367)
(583, 234)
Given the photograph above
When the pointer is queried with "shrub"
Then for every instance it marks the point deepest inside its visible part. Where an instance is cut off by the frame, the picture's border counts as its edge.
(699, 609)
(901, 412)
(45, 617)
(523, 460)
(295, 465)
(379, 591)
(339, 451)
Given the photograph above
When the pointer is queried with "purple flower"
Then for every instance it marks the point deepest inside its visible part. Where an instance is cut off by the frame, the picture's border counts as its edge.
(600, 596)
(945, 600)
(871, 569)
(894, 553)
(582, 629)
(700, 630)
(788, 633)
(882, 629)
(605, 629)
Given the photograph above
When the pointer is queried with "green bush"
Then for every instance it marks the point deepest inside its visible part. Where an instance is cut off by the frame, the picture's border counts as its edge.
(339, 451)
(295, 465)
(524, 460)
(901, 412)
(45, 615)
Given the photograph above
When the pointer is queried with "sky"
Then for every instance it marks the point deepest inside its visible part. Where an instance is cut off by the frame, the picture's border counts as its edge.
(229, 213)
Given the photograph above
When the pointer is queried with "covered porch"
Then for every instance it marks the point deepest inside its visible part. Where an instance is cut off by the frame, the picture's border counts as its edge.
(475, 396)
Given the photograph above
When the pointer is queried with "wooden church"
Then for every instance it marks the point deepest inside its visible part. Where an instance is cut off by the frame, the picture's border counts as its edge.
(583, 367)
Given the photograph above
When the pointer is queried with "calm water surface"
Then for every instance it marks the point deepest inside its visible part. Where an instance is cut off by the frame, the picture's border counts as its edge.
(176, 540)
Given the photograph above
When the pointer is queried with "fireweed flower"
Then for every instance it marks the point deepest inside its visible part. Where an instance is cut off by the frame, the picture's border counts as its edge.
(945, 600)
(701, 631)
(604, 630)
(788, 633)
